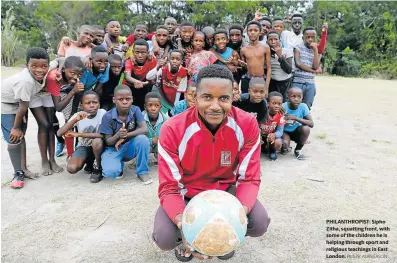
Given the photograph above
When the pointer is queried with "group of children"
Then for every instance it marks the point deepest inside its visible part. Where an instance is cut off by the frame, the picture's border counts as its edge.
(116, 92)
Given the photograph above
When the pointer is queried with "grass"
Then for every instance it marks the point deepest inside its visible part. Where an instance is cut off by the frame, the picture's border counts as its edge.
(330, 142)
(321, 136)
(57, 199)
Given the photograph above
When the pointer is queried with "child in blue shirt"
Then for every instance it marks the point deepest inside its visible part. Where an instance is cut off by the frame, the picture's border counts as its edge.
(93, 79)
(124, 130)
(226, 55)
(298, 122)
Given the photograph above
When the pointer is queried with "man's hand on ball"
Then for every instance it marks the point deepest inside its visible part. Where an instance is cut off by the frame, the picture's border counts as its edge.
(188, 249)
(246, 209)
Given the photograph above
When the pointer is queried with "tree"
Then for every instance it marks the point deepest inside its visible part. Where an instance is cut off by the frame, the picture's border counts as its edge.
(12, 47)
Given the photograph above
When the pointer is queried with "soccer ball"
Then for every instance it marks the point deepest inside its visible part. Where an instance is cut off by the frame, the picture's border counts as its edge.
(214, 223)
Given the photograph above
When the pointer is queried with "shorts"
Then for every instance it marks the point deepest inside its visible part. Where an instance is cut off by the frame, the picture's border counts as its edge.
(282, 86)
(7, 122)
(43, 99)
(84, 152)
(245, 81)
(295, 135)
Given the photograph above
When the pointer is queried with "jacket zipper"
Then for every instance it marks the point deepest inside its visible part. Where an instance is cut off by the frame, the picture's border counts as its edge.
(213, 148)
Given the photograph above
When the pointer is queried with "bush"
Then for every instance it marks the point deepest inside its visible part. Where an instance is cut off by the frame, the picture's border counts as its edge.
(347, 65)
(12, 48)
(386, 69)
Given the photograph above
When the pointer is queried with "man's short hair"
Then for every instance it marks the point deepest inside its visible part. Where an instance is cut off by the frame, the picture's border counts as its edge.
(255, 23)
(170, 18)
(175, 51)
(162, 27)
(152, 95)
(220, 31)
(198, 33)
(140, 24)
(273, 32)
(238, 27)
(208, 30)
(114, 57)
(89, 92)
(73, 62)
(275, 94)
(214, 71)
(266, 18)
(187, 23)
(308, 28)
(98, 49)
(121, 87)
(297, 15)
(37, 53)
(141, 42)
(111, 20)
(257, 81)
(85, 27)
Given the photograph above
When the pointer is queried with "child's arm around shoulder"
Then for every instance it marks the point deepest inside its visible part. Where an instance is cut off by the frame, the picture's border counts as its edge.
(71, 123)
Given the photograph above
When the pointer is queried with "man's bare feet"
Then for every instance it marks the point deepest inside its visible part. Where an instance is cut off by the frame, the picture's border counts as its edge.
(29, 174)
(55, 167)
(46, 169)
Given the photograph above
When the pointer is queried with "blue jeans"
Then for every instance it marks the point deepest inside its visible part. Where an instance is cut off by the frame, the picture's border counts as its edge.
(309, 92)
(113, 161)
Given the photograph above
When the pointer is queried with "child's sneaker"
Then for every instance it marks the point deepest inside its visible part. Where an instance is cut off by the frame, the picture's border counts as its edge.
(59, 149)
(120, 176)
(145, 178)
(96, 176)
(273, 156)
(18, 180)
(88, 169)
(299, 155)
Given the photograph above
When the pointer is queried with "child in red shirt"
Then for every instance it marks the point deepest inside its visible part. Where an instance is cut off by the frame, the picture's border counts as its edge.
(272, 129)
(171, 80)
(135, 73)
(63, 93)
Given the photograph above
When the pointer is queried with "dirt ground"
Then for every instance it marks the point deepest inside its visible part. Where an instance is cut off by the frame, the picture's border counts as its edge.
(350, 173)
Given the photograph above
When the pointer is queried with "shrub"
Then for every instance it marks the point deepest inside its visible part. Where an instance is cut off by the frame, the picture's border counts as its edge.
(347, 65)
(12, 48)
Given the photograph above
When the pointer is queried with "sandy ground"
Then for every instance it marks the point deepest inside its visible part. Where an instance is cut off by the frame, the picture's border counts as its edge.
(350, 174)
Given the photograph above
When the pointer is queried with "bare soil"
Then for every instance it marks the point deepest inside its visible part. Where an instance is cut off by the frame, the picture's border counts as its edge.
(350, 173)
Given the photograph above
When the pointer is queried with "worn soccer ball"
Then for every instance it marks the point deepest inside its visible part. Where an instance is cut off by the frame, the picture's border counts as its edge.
(214, 223)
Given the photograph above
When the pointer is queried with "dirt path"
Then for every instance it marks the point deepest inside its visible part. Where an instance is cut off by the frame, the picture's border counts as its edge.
(350, 174)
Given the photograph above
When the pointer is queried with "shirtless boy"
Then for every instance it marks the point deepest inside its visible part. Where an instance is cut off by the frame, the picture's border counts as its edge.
(255, 56)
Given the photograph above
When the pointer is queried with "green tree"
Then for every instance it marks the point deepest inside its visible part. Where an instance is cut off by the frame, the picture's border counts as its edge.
(12, 47)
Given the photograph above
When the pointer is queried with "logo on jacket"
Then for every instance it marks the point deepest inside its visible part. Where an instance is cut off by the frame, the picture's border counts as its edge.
(226, 158)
